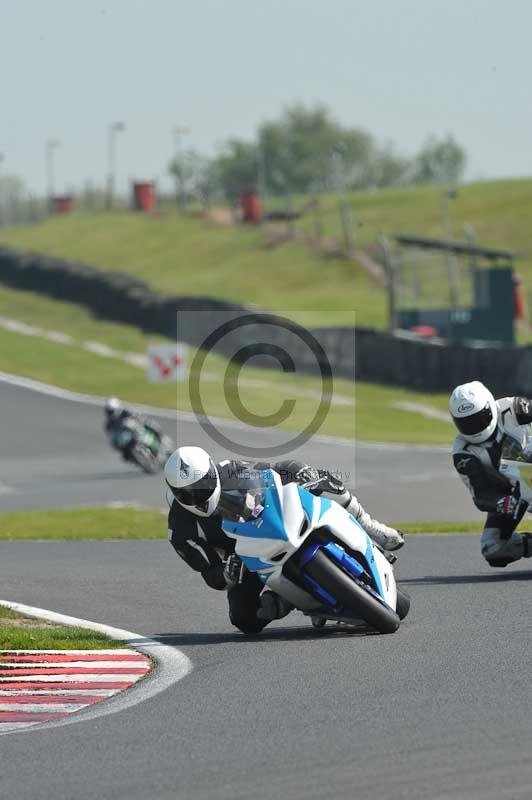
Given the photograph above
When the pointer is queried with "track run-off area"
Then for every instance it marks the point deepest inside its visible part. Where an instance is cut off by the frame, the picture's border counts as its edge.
(438, 710)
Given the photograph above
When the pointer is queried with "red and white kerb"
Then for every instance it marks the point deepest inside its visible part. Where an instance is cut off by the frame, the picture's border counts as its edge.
(39, 686)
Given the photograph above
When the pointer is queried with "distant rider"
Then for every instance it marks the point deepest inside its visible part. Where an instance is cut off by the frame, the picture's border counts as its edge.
(195, 483)
(116, 417)
(490, 430)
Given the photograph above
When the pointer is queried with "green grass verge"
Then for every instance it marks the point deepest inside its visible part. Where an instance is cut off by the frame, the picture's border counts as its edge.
(18, 632)
(71, 367)
(441, 527)
(84, 523)
(7, 613)
(131, 523)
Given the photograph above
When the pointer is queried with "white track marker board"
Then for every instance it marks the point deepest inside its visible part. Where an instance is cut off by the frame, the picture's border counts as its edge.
(166, 363)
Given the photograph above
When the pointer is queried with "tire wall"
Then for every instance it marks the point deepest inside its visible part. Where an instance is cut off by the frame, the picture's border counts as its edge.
(363, 353)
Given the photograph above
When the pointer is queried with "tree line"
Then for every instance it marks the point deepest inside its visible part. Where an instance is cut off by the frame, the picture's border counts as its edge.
(306, 150)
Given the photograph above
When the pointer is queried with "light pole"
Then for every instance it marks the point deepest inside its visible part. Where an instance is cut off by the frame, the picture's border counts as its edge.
(114, 128)
(179, 131)
(471, 237)
(447, 196)
(51, 147)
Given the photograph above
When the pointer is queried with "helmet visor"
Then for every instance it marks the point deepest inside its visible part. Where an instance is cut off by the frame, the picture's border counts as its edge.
(475, 423)
(199, 493)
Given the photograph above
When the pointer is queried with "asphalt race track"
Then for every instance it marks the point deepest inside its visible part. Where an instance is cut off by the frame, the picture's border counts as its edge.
(54, 454)
(438, 710)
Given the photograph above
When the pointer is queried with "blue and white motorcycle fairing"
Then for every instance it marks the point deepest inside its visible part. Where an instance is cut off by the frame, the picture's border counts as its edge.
(279, 522)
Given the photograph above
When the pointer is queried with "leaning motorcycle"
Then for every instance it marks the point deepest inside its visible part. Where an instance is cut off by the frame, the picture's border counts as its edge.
(143, 446)
(312, 552)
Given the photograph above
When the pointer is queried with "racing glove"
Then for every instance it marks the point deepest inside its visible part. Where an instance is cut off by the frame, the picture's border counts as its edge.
(334, 485)
(233, 570)
(307, 475)
(511, 504)
(331, 483)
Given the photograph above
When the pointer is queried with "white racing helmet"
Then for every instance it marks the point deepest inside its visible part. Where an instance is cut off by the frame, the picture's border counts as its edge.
(474, 411)
(193, 479)
(113, 407)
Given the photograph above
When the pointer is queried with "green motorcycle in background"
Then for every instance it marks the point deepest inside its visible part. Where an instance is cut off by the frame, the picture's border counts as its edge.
(141, 445)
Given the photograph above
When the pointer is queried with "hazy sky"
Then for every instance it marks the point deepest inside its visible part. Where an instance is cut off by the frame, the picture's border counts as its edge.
(402, 69)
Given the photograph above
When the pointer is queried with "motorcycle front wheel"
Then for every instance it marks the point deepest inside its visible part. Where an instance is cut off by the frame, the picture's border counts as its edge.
(403, 603)
(145, 459)
(351, 595)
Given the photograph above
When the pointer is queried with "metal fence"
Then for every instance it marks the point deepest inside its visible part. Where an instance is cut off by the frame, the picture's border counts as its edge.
(434, 280)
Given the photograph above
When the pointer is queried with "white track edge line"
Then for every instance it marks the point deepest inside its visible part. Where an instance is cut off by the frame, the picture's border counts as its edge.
(168, 413)
(171, 666)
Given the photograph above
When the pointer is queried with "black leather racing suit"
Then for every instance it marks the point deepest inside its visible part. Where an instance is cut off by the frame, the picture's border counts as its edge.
(478, 466)
(201, 542)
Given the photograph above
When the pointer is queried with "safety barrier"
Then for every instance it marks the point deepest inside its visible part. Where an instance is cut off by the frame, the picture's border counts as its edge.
(364, 353)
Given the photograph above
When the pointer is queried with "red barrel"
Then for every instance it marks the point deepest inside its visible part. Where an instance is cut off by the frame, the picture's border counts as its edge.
(250, 205)
(144, 197)
(62, 204)
(519, 300)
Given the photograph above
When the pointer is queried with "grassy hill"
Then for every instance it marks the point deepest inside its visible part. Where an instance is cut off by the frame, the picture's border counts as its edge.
(188, 255)
(498, 211)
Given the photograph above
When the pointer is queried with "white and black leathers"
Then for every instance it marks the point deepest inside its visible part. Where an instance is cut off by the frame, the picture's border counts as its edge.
(478, 467)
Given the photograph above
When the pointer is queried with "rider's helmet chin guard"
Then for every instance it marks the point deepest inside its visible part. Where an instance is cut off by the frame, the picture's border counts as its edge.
(113, 407)
(193, 479)
(474, 412)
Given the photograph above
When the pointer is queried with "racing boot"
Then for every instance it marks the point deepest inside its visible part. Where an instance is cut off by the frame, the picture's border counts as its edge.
(499, 550)
(385, 537)
(273, 606)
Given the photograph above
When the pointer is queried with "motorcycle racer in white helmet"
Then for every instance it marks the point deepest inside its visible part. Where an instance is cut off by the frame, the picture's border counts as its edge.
(194, 480)
(488, 431)
(195, 485)
(116, 415)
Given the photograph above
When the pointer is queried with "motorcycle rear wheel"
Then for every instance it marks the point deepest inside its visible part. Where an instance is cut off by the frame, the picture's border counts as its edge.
(351, 595)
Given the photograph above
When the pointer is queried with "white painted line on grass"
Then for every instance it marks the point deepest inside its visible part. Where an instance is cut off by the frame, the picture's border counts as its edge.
(171, 666)
(140, 361)
(420, 408)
